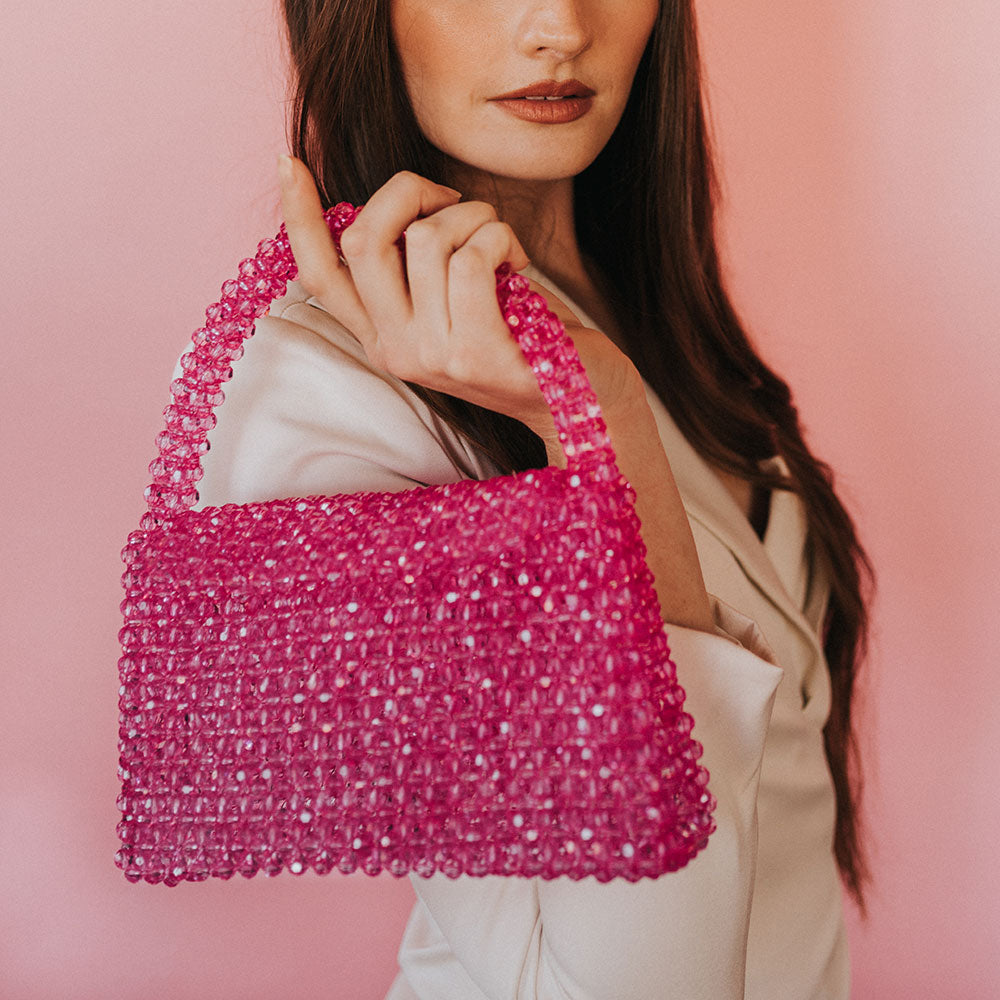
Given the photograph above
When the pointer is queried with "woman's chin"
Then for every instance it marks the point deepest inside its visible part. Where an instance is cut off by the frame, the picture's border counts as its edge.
(533, 163)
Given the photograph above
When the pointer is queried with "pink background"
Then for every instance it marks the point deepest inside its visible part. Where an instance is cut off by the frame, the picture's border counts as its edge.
(861, 149)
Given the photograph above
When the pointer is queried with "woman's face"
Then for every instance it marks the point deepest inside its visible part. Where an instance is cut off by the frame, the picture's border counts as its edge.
(460, 56)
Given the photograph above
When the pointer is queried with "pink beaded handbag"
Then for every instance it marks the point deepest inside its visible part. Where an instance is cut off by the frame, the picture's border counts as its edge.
(471, 678)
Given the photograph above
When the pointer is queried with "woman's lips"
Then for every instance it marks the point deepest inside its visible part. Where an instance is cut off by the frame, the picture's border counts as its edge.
(548, 102)
(546, 111)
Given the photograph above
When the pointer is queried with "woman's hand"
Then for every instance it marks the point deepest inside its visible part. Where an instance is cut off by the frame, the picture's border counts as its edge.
(433, 318)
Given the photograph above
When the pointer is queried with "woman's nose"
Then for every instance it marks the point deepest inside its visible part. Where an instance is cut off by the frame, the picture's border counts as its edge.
(558, 27)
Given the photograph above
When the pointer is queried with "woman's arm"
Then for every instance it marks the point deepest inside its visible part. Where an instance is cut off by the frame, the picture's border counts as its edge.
(670, 549)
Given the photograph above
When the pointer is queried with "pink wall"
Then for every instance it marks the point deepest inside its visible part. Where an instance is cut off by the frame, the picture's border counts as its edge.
(861, 150)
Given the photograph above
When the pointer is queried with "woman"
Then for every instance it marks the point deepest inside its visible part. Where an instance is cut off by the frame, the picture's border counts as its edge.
(570, 133)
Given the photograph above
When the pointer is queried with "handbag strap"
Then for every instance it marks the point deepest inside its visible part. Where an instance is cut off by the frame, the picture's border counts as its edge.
(261, 279)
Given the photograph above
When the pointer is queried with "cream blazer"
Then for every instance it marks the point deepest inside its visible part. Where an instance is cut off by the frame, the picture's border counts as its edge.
(758, 913)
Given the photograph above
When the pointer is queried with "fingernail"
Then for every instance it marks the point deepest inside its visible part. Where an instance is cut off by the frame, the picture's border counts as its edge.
(457, 194)
(285, 170)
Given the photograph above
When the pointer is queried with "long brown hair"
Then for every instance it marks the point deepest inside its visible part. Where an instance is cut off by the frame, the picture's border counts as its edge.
(645, 217)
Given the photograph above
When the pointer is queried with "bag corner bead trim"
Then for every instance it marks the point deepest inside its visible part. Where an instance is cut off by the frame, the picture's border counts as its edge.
(471, 678)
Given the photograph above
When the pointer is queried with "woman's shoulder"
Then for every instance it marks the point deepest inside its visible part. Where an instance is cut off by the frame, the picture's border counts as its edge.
(301, 346)
(306, 413)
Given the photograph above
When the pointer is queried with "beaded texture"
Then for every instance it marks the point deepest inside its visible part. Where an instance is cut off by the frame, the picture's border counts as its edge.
(471, 678)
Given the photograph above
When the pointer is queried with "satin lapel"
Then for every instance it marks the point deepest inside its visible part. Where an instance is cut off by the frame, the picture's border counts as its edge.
(708, 501)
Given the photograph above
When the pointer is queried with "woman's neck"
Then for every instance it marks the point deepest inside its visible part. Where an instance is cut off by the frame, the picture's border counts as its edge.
(541, 213)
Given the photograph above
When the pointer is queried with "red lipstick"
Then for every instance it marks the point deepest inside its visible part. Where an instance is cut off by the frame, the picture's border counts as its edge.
(548, 102)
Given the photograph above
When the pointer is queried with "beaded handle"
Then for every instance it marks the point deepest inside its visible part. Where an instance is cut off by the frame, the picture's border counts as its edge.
(261, 279)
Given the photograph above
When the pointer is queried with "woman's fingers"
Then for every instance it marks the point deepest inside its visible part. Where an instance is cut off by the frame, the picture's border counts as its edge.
(433, 317)
(369, 244)
(479, 336)
(320, 270)
(471, 289)
(430, 243)
(308, 233)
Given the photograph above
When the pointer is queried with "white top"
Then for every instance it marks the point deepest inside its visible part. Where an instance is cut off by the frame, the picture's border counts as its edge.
(758, 913)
